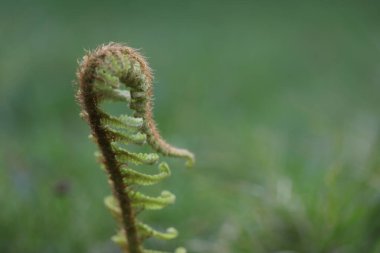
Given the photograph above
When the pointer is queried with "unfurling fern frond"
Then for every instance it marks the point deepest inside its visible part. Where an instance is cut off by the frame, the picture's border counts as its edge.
(118, 73)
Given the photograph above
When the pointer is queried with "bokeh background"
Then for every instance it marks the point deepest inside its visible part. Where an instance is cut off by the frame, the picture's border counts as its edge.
(278, 99)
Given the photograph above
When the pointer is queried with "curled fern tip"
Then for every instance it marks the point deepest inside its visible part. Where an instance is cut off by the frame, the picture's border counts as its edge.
(118, 73)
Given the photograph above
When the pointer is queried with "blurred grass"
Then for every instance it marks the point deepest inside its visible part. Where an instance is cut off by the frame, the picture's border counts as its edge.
(279, 101)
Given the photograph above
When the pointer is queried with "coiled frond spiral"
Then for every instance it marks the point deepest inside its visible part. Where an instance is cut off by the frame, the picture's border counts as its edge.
(115, 72)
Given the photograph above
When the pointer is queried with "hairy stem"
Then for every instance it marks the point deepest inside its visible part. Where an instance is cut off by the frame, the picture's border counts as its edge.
(111, 165)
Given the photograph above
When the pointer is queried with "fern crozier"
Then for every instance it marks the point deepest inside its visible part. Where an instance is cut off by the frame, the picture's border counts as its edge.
(118, 73)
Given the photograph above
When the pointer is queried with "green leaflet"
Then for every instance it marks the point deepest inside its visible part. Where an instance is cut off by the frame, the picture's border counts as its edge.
(115, 65)
(133, 177)
(180, 250)
(152, 203)
(112, 204)
(124, 156)
(123, 121)
(141, 200)
(125, 138)
(136, 78)
(106, 77)
(109, 93)
(146, 231)
(120, 238)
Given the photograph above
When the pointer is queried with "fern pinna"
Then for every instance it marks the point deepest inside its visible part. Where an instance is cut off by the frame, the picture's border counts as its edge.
(115, 72)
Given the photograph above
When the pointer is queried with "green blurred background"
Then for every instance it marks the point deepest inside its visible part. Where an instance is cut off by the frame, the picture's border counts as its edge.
(278, 99)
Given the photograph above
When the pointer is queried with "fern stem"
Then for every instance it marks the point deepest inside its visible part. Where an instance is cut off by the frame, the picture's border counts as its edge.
(111, 165)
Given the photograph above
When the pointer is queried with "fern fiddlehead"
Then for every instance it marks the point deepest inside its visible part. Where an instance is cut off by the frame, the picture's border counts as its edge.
(115, 72)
